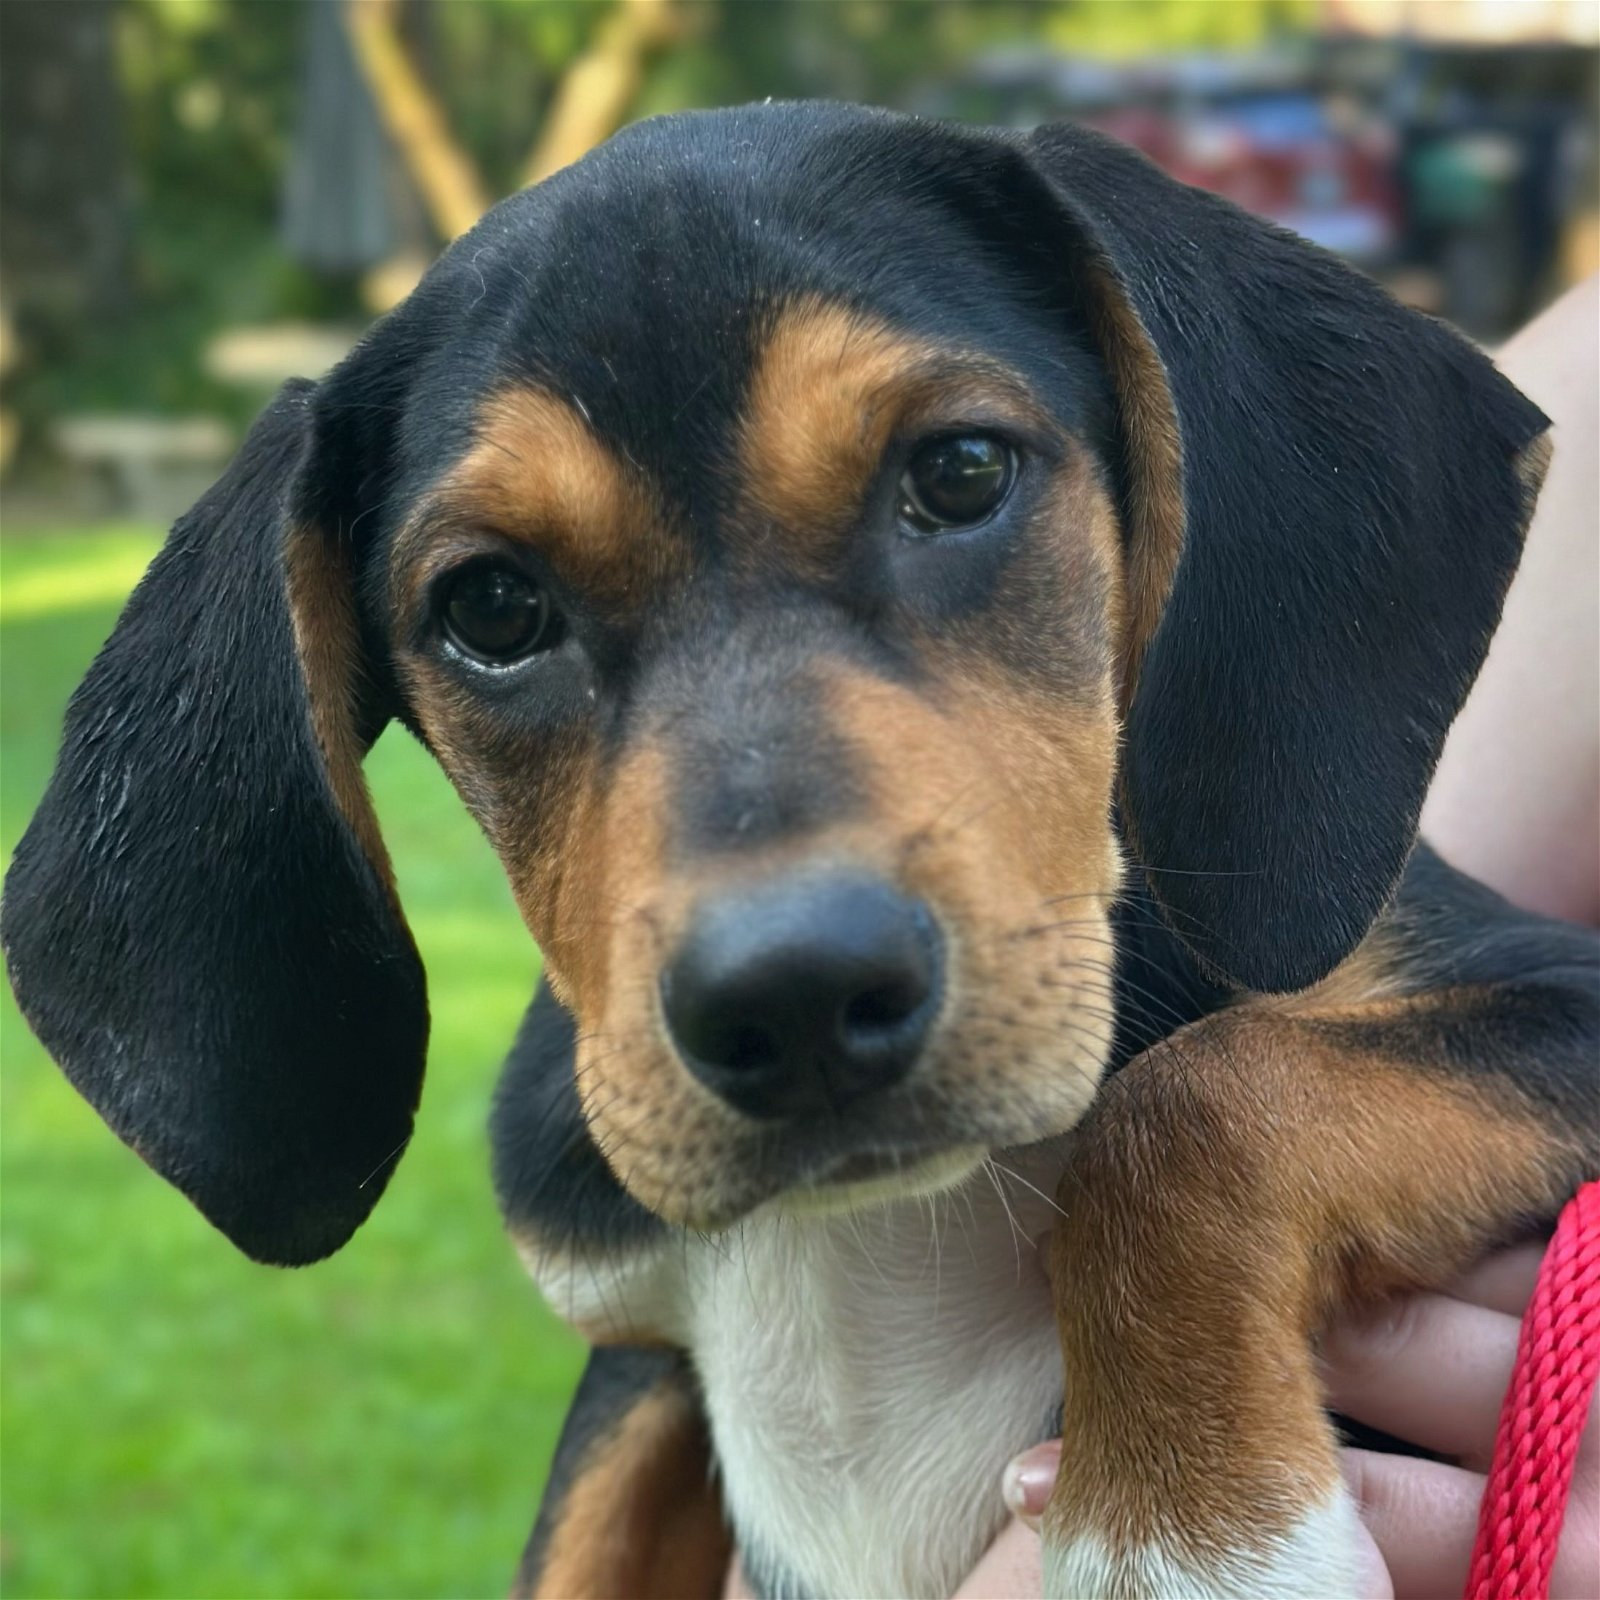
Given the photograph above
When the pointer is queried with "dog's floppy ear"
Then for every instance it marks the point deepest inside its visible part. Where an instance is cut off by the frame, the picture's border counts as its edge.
(1326, 497)
(200, 921)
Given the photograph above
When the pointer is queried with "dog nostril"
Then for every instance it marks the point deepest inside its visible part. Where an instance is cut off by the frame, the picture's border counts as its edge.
(804, 994)
(748, 1049)
(883, 1008)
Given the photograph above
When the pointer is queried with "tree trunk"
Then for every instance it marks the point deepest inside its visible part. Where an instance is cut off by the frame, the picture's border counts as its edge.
(65, 244)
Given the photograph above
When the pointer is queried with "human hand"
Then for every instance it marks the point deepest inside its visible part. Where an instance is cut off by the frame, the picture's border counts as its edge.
(1431, 1369)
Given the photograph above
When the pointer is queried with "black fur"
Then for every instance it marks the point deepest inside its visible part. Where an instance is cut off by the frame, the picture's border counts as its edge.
(1514, 997)
(191, 927)
(1354, 519)
(552, 1182)
(616, 1379)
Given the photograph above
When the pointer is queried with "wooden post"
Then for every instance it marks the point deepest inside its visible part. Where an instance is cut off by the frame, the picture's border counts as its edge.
(444, 174)
(600, 85)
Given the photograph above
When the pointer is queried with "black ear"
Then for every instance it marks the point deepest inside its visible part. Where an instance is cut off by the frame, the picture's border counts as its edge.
(1326, 496)
(200, 921)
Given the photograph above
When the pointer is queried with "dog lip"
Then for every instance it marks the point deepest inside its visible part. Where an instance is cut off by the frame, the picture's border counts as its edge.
(878, 1174)
(877, 1161)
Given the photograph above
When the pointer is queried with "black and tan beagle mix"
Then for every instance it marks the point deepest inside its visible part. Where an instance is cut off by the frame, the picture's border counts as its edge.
(948, 632)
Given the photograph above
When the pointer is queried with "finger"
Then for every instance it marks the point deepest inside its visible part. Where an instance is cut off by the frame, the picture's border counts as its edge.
(1372, 1581)
(1422, 1516)
(1026, 1483)
(1504, 1282)
(1012, 1567)
(1576, 1573)
(734, 1586)
(1427, 1369)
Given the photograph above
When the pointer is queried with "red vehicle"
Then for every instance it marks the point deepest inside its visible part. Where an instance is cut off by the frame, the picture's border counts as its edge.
(1250, 128)
(1279, 155)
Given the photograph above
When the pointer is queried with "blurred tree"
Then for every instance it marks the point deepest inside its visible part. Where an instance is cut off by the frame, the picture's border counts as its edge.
(344, 205)
(145, 144)
(443, 173)
(599, 88)
(188, 123)
(65, 247)
(887, 50)
(496, 67)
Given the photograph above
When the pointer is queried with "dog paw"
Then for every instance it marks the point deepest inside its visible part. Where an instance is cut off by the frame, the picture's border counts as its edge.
(1316, 1557)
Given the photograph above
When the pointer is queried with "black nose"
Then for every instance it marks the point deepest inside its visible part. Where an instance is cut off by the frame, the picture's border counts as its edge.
(805, 994)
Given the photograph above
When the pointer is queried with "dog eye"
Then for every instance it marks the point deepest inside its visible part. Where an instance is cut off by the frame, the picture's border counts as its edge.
(496, 615)
(955, 482)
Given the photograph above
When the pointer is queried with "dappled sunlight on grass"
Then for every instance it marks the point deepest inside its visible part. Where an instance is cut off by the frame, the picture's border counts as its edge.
(179, 1421)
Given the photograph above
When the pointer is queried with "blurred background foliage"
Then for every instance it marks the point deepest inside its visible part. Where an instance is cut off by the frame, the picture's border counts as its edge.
(198, 197)
(171, 170)
(170, 124)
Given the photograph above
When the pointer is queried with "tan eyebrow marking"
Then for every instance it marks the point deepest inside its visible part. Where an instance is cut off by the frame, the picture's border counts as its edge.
(539, 474)
(831, 388)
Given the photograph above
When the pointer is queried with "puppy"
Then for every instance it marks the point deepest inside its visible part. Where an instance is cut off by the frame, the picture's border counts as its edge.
(948, 633)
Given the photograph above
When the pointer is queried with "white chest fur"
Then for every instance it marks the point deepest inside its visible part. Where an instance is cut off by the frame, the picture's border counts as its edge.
(868, 1376)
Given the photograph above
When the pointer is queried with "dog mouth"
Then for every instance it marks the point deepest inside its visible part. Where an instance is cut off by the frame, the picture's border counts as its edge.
(878, 1176)
(909, 1147)
(713, 1137)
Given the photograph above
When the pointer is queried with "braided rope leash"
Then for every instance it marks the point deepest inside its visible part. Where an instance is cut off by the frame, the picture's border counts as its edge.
(1546, 1406)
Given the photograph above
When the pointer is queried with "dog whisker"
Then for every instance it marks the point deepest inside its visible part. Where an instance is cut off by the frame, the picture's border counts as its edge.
(1010, 1173)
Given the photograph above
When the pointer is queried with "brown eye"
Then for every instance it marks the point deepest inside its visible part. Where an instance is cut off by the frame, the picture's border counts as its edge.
(955, 482)
(496, 615)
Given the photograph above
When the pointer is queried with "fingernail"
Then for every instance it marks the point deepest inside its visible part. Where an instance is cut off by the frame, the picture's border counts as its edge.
(1026, 1483)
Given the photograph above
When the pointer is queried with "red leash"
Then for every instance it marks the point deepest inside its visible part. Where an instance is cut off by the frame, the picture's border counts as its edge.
(1546, 1406)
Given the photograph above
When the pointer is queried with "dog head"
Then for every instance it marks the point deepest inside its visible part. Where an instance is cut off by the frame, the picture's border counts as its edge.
(827, 552)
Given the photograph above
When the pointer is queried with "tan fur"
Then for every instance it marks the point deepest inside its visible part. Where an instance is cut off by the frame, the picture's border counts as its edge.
(600, 914)
(1229, 1190)
(988, 794)
(988, 797)
(1374, 970)
(1533, 462)
(643, 1518)
(318, 577)
(988, 788)
(1210, 1220)
(538, 474)
(831, 390)
(1155, 463)
(973, 808)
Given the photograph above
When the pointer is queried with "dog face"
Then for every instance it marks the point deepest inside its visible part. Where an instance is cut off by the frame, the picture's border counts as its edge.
(814, 543)
(792, 719)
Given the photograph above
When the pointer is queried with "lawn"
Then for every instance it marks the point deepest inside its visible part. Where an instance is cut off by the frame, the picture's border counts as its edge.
(180, 1422)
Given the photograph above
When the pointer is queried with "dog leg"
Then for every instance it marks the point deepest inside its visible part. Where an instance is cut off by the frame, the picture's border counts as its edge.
(1231, 1189)
(632, 1508)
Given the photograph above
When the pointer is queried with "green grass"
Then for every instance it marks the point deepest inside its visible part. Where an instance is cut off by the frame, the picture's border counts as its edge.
(180, 1422)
